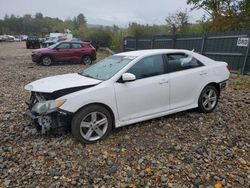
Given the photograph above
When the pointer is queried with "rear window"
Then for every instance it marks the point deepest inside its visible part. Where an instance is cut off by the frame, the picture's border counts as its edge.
(76, 45)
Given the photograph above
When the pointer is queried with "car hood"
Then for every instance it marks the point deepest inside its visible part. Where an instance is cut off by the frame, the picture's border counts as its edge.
(40, 50)
(60, 82)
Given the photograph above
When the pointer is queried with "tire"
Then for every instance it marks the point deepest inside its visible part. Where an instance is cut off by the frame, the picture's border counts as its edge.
(87, 60)
(85, 127)
(208, 99)
(46, 60)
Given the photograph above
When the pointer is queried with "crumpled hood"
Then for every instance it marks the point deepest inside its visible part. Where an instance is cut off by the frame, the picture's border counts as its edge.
(59, 82)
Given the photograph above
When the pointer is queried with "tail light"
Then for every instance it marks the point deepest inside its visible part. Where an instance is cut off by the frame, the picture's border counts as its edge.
(228, 67)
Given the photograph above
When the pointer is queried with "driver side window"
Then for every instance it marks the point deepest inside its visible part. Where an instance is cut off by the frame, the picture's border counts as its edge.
(63, 46)
(148, 66)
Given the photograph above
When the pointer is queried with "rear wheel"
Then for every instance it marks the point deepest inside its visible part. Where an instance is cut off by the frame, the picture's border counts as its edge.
(208, 99)
(87, 60)
(91, 124)
(46, 61)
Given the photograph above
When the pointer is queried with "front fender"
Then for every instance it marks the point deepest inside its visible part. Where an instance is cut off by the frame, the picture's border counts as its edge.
(102, 94)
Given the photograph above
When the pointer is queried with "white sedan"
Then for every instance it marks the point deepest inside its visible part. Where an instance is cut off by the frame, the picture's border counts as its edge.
(126, 88)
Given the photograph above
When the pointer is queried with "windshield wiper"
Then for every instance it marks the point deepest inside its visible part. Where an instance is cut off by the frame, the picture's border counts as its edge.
(86, 75)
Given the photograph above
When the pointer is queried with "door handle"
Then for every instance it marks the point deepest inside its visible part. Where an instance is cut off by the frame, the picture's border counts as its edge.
(163, 81)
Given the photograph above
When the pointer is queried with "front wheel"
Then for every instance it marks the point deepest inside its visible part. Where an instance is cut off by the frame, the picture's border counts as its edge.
(208, 99)
(91, 124)
(46, 61)
(87, 60)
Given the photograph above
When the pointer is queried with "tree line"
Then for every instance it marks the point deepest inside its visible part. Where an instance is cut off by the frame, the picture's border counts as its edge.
(222, 15)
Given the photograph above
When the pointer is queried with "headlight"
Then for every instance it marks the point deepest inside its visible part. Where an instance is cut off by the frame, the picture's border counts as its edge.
(46, 107)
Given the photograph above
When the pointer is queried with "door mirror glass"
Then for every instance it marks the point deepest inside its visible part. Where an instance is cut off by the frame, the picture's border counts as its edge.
(128, 77)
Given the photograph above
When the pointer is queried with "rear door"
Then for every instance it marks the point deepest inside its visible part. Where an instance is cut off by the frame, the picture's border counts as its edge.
(187, 77)
(77, 51)
(148, 94)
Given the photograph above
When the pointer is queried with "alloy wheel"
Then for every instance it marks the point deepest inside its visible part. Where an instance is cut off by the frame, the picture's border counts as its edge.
(46, 61)
(93, 126)
(87, 60)
(209, 99)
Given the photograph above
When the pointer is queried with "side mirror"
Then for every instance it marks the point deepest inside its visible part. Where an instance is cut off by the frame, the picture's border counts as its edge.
(128, 77)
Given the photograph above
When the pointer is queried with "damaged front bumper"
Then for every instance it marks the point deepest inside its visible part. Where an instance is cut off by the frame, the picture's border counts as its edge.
(45, 114)
(58, 121)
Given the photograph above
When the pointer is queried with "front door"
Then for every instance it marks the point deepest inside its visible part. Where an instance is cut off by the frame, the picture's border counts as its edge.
(148, 94)
(62, 52)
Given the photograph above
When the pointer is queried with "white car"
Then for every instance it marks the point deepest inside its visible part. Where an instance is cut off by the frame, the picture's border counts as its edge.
(126, 88)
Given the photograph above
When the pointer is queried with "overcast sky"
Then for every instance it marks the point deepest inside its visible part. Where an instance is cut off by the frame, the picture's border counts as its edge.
(104, 12)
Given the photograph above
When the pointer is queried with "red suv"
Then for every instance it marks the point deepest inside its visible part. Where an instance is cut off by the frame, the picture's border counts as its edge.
(65, 51)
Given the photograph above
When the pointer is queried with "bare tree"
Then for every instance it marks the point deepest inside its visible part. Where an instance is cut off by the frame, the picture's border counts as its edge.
(178, 21)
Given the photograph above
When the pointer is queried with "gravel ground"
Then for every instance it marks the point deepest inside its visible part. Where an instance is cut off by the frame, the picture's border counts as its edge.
(187, 149)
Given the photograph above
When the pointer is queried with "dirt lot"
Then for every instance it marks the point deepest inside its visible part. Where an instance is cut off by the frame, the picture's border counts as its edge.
(187, 149)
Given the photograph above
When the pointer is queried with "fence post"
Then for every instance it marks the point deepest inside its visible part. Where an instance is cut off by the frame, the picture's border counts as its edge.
(152, 43)
(136, 40)
(204, 37)
(174, 41)
(246, 58)
(124, 45)
(136, 45)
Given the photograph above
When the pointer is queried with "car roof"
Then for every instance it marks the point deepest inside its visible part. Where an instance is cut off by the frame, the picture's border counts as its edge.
(74, 42)
(152, 52)
(144, 53)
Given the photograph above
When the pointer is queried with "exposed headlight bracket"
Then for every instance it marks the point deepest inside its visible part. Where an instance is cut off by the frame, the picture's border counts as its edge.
(45, 122)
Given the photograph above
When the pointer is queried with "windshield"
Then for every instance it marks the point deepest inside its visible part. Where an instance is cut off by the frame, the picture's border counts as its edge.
(106, 68)
(53, 45)
(32, 38)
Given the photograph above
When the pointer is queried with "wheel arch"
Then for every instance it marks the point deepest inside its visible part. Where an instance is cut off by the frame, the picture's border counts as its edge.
(87, 55)
(103, 105)
(201, 108)
(44, 55)
(216, 85)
